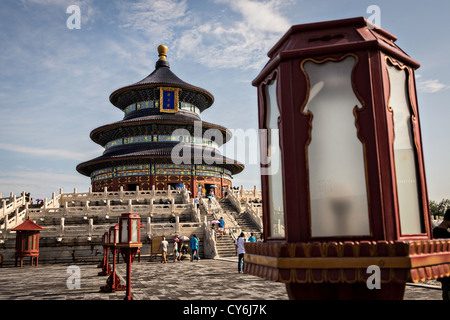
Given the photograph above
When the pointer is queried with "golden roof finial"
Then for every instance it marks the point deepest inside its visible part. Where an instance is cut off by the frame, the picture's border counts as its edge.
(162, 50)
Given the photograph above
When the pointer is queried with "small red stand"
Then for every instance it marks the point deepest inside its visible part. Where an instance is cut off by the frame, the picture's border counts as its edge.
(27, 241)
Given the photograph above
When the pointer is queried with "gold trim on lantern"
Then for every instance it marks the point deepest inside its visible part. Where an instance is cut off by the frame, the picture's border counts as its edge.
(347, 262)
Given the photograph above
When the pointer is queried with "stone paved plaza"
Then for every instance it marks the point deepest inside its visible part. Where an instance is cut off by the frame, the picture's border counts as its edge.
(185, 280)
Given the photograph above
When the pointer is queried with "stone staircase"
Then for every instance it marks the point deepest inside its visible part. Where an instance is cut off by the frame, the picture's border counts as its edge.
(244, 221)
(225, 246)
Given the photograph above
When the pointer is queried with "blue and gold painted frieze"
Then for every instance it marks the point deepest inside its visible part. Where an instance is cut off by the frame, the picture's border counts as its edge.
(160, 169)
(154, 104)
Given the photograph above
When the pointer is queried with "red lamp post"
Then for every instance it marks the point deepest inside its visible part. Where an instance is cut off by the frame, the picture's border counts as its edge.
(129, 243)
(338, 100)
(106, 267)
(113, 282)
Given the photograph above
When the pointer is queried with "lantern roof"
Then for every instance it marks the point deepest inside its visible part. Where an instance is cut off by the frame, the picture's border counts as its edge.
(161, 76)
(331, 37)
(28, 225)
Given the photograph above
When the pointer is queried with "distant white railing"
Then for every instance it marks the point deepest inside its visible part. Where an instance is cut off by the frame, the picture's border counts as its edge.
(254, 210)
(436, 220)
(171, 228)
(245, 204)
(138, 195)
(233, 196)
(111, 210)
(95, 204)
(60, 230)
(250, 194)
(11, 203)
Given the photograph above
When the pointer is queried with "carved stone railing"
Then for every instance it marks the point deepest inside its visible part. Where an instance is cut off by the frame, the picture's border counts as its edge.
(111, 210)
(10, 204)
(233, 196)
(121, 195)
(254, 210)
(209, 246)
(171, 228)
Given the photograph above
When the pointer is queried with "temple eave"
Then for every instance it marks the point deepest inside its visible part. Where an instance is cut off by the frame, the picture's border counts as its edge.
(106, 133)
(86, 168)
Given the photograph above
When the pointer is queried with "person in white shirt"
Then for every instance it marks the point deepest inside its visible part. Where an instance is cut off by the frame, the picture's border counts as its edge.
(240, 250)
(163, 246)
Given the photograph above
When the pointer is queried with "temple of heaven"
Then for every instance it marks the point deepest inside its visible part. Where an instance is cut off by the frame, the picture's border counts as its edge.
(161, 140)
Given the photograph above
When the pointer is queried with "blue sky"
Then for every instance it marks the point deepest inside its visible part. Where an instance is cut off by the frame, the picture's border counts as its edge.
(55, 82)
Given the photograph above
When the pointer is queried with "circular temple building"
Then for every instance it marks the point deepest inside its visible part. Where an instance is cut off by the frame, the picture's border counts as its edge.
(161, 140)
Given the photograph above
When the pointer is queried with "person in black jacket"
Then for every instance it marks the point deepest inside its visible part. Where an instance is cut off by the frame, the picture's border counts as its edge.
(441, 232)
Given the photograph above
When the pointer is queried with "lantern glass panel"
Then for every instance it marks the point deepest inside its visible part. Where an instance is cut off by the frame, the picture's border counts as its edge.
(274, 170)
(124, 231)
(111, 236)
(27, 242)
(405, 153)
(337, 175)
(116, 238)
(134, 230)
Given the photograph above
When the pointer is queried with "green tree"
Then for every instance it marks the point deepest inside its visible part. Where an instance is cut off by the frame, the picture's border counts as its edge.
(439, 208)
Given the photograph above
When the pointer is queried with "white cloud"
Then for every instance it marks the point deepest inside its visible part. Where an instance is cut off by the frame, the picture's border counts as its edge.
(53, 153)
(86, 7)
(431, 86)
(156, 19)
(222, 42)
(261, 16)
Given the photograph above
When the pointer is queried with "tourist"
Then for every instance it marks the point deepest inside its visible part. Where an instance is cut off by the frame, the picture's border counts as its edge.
(163, 247)
(209, 206)
(196, 202)
(203, 192)
(214, 232)
(261, 238)
(252, 238)
(198, 250)
(176, 253)
(439, 232)
(184, 250)
(221, 226)
(240, 251)
(194, 247)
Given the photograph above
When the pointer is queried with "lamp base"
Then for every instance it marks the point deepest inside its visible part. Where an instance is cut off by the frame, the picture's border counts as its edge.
(108, 288)
(106, 271)
(344, 291)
